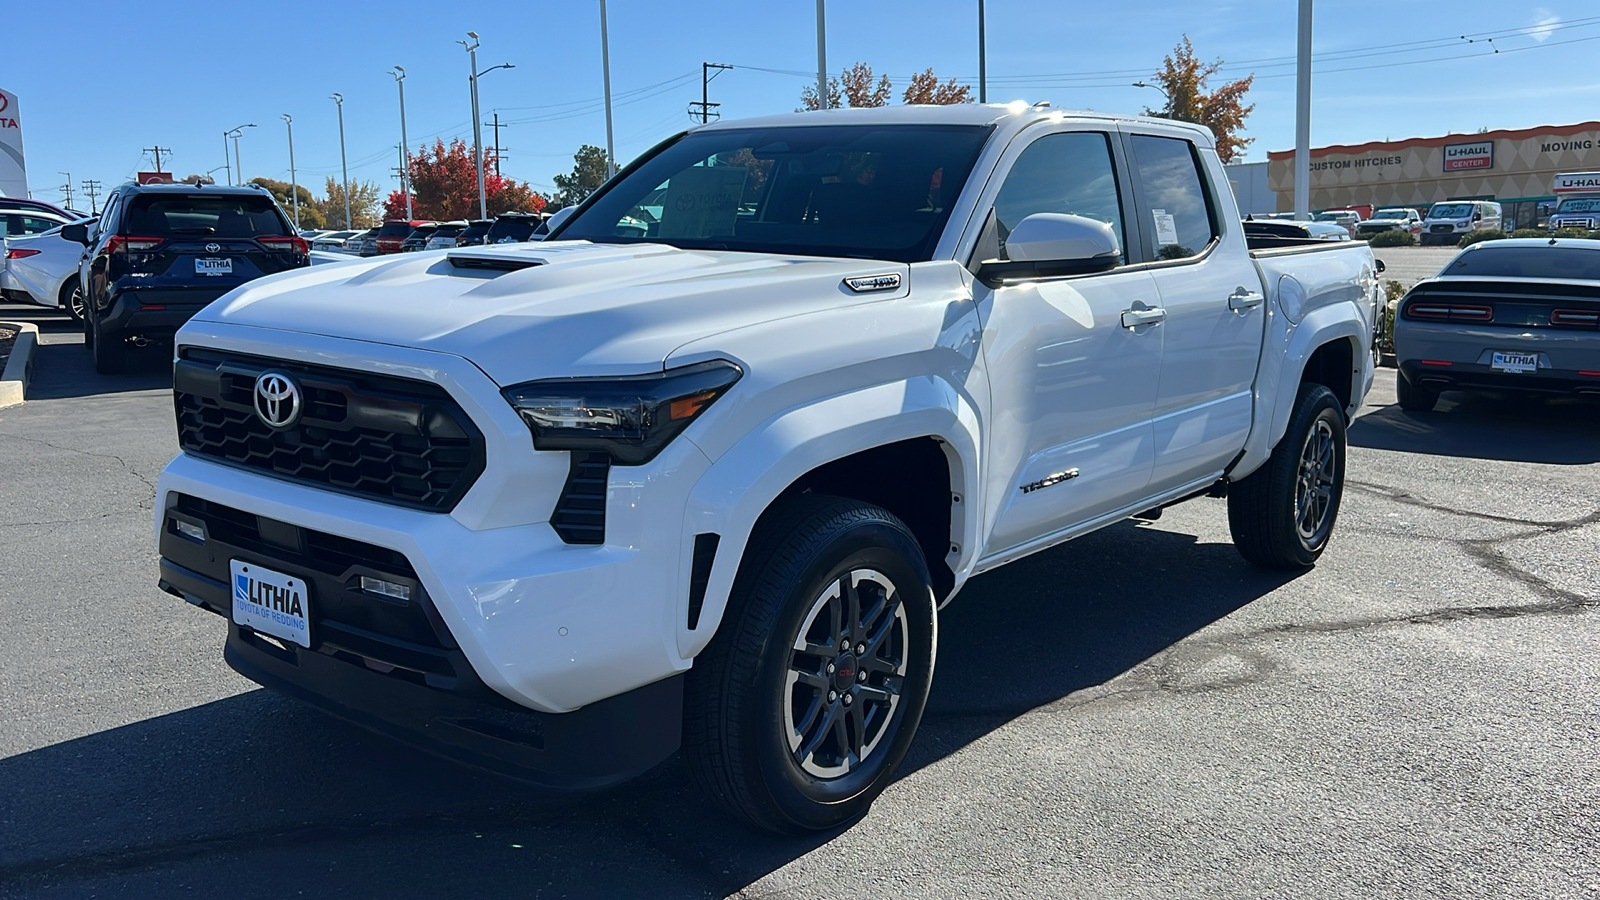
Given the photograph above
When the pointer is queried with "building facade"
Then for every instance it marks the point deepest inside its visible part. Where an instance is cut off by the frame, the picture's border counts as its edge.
(1513, 167)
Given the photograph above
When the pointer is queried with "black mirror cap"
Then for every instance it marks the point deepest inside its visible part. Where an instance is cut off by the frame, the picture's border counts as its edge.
(996, 273)
(77, 232)
(1380, 266)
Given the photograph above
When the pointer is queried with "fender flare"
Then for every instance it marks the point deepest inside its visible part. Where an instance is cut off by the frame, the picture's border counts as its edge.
(1276, 390)
(744, 481)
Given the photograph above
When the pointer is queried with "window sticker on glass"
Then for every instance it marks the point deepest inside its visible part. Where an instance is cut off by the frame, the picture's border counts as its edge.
(1166, 228)
(703, 202)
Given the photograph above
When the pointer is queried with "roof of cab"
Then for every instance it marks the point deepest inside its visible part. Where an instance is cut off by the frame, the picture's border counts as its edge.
(1018, 114)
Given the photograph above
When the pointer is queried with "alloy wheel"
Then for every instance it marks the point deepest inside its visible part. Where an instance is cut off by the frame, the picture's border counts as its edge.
(847, 670)
(1313, 501)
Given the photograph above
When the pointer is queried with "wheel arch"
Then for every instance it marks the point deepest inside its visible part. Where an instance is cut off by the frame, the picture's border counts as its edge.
(880, 445)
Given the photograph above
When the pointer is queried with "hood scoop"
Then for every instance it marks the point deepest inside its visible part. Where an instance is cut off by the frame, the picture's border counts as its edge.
(493, 262)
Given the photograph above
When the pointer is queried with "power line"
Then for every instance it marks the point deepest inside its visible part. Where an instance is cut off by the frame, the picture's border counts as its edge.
(157, 150)
(706, 107)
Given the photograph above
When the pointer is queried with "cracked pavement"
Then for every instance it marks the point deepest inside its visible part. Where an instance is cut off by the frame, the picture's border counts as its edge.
(1135, 714)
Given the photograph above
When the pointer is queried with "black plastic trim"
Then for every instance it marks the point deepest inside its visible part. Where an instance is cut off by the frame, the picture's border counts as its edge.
(705, 552)
(580, 513)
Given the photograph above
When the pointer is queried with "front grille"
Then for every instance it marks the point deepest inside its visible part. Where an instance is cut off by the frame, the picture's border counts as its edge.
(1443, 229)
(390, 439)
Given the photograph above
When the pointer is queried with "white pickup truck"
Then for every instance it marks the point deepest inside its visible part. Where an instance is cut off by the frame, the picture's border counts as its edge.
(698, 471)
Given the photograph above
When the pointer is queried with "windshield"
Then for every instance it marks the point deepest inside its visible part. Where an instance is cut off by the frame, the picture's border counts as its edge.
(1542, 261)
(1577, 205)
(1450, 211)
(394, 229)
(1393, 214)
(867, 191)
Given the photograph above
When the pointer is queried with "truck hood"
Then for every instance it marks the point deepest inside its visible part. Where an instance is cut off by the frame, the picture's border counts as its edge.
(567, 308)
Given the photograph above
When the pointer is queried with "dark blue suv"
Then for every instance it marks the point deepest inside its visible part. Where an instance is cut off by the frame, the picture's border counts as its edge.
(161, 252)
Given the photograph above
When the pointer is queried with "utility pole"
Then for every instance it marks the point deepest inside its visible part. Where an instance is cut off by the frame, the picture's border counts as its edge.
(344, 169)
(1302, 118)
(67, 188)
(706, 107)
(498, 151)
(294, 189)
(983, 60)
(157, 151)
(822, 57)
(405, 148)
(234, 133)
(605, 65)
(91, 187)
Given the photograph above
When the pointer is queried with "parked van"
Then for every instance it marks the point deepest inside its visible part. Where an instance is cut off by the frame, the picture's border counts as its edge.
(1448, 220)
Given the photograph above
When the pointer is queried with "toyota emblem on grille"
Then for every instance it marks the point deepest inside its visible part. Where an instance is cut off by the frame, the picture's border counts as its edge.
(277, 399)
(213, 248)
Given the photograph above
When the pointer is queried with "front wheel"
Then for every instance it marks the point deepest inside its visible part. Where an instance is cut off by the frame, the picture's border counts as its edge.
(1282, 514)
(807, 698)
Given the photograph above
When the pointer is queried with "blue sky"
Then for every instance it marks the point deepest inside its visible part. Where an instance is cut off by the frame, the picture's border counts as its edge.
(97, 86)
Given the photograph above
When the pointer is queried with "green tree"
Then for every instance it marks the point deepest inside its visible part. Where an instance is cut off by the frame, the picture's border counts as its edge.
(588, 173)
(363, 205)
(1183, 77)
(310, 215)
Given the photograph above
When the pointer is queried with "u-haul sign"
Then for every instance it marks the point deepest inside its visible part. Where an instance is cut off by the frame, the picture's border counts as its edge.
(1577, 183)
(1463, 157)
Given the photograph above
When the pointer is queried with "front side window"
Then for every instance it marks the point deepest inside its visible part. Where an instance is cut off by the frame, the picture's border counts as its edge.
(1176, 209)
(864, 191)
(1059, 173)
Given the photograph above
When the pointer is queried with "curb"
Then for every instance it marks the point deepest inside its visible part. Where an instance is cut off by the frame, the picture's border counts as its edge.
(19, 366)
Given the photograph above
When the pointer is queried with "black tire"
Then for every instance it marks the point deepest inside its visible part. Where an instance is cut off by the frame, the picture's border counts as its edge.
(1283, 513)
(110, 350)
(72, 300)
(759, 740)
(1414, 397)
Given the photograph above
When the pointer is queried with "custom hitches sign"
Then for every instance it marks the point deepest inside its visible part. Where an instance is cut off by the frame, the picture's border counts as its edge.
(13, 172)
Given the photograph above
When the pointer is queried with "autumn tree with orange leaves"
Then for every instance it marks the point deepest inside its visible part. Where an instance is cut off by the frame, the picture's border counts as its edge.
(445, 186)
(859, 87)
(1183, 77)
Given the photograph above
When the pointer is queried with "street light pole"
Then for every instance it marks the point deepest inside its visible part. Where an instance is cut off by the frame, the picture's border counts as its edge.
(477, 124)
(822, 57)
(983, 68)
(238, 163)
(1168, 108)
(1302, 118)
(294, 189)
(605, 65)
(227, 161)
(405, 148)
(344, 168)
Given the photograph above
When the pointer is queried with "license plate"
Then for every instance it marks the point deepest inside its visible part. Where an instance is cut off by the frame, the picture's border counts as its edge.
(271, 602)
(213, 267)
(1515, 362)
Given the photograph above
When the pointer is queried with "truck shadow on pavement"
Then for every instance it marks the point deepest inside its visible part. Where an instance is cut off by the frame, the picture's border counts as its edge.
(1560, 431)
(268, 797)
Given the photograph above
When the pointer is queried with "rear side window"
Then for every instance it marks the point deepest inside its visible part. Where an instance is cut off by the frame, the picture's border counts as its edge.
(159, 215)
(1060, 173)
(1176, 209)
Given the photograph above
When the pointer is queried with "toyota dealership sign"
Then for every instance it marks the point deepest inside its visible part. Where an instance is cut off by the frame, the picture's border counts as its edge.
(13, 173)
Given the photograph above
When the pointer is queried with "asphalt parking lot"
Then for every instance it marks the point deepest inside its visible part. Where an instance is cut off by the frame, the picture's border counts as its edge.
(1135, 714)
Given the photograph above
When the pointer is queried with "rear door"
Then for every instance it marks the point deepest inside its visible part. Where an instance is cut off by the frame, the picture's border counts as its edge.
(201, 246)
(1214, 304)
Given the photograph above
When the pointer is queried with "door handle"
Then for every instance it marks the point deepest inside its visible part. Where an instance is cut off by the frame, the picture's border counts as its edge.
(1133, 318)
(1244, 299)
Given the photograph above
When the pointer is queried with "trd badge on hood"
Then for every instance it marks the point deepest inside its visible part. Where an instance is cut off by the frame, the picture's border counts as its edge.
(861, 284)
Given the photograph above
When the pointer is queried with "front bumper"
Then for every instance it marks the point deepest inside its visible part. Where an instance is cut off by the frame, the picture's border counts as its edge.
(394, 666)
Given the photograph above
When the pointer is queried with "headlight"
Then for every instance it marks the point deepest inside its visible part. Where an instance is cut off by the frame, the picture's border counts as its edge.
(631, 417)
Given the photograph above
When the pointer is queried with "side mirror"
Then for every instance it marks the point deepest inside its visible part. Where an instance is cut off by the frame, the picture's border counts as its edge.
(559, 217)
(1046, 245)
(1477, 217)
(77, 232)
(1380, 266)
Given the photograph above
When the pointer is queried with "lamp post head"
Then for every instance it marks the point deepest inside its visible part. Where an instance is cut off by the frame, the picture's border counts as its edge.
(288, 118)
(399, 73)
(337, 98)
